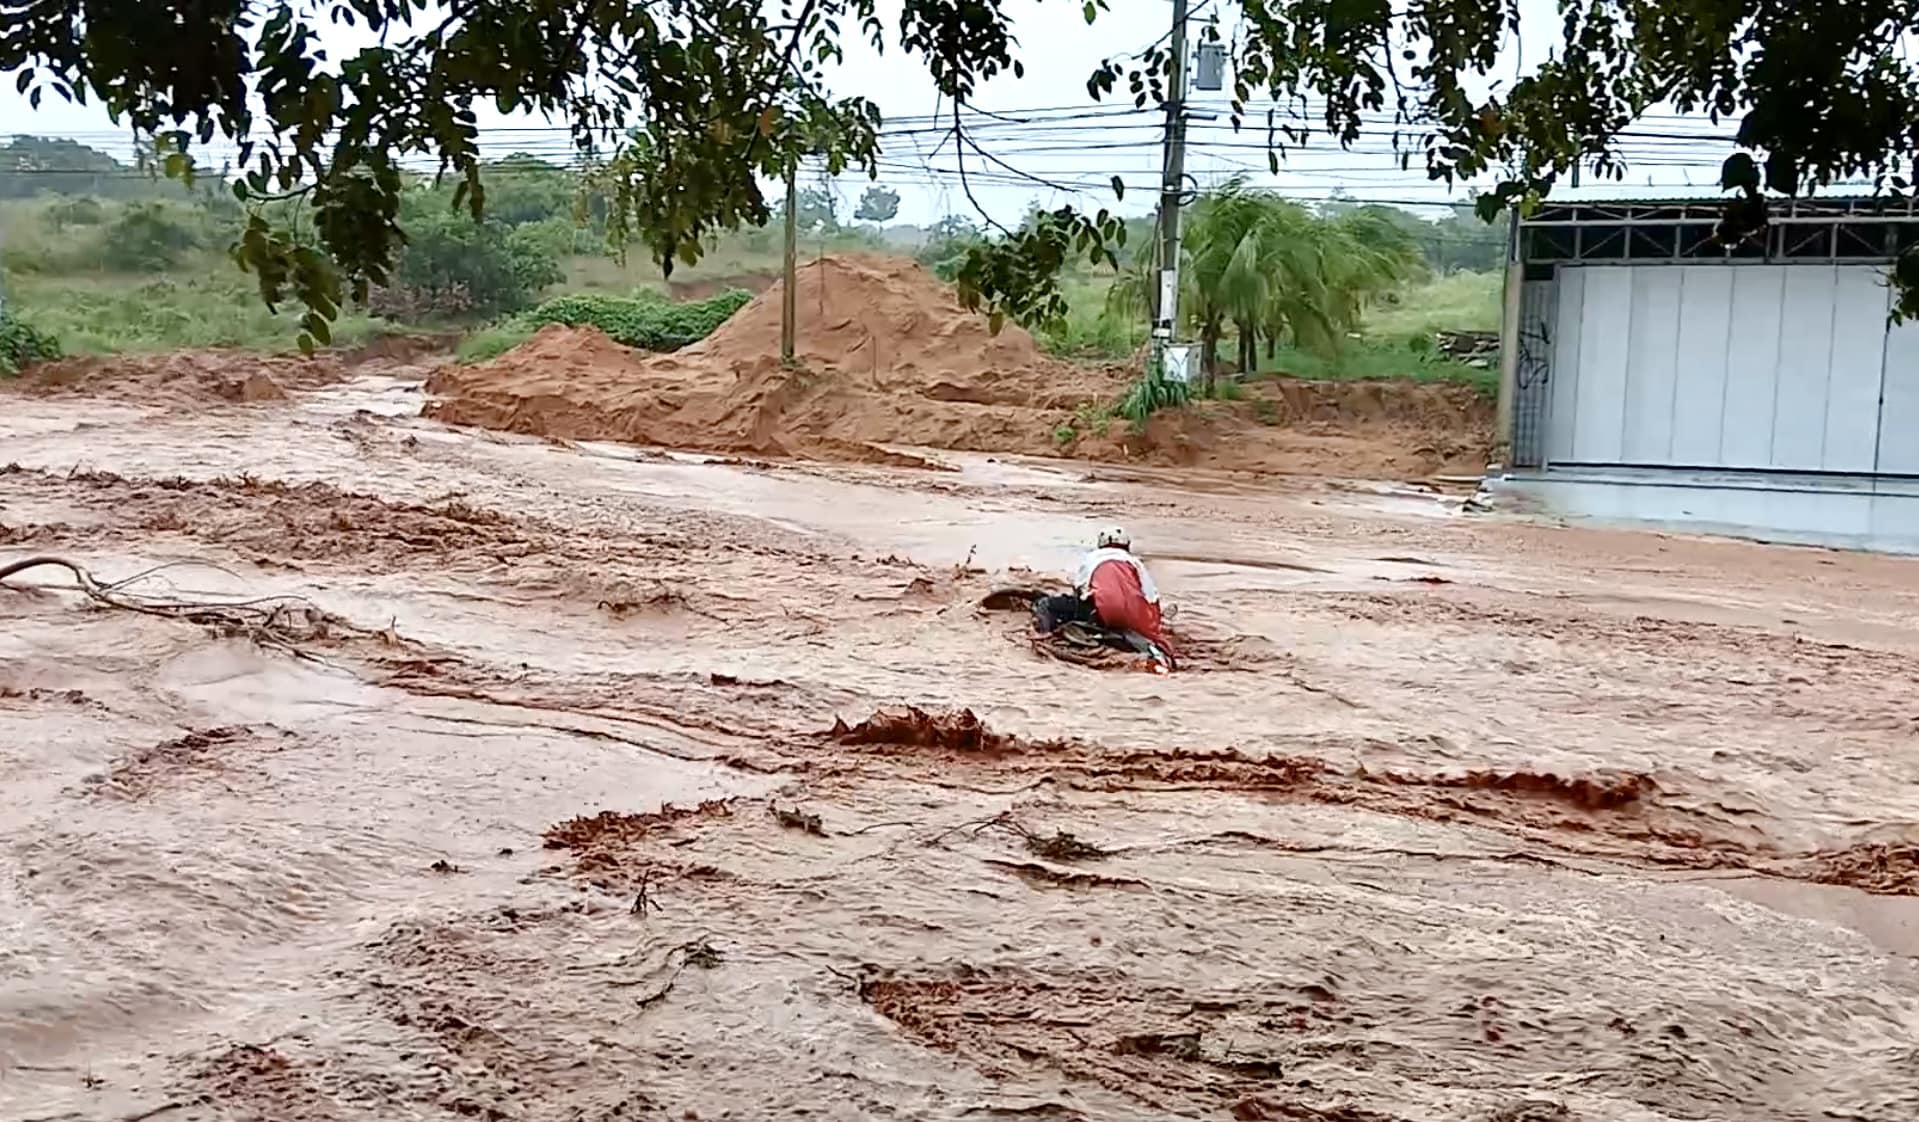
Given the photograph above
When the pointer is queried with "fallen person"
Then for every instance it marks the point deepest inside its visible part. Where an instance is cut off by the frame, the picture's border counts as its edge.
(1112, 590)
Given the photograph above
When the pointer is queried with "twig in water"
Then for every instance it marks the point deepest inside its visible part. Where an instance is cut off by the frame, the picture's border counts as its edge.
(696, 952)
(643, 901)
(797, 819)
(280, 622)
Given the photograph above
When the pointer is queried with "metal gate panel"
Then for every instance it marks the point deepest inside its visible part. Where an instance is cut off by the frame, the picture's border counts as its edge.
(1858, 370)
(1752, 365)
(1652, 371)
(1562, 386)
(1805, 367)
(1605, 352)
(1899, 406)
(1705, 330)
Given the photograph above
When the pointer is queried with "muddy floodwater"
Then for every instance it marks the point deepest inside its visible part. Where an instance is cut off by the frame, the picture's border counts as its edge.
(580, 783)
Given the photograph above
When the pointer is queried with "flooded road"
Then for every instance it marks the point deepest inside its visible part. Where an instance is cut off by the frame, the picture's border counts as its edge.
(627, 785)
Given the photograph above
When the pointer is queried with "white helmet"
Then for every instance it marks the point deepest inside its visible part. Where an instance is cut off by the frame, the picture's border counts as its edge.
(1114, 536)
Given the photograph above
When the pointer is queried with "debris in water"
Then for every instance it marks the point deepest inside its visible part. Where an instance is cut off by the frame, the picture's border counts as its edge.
(797, 819)
(1062, 846)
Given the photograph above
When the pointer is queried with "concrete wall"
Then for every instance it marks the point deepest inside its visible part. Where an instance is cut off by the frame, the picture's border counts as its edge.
(1846, 512)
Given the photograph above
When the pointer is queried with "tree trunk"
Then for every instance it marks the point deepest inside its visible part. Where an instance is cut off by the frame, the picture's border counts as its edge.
(1248, 348)
(1209, 334)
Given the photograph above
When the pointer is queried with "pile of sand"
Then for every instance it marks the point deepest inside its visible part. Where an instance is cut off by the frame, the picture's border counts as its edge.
(199, 377)
(888, 357)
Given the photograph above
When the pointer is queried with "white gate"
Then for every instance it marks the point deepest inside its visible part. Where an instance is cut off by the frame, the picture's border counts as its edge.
(1759, 366)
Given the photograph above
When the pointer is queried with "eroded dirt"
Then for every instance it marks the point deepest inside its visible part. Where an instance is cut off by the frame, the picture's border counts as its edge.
(887, 356)
(645, 788)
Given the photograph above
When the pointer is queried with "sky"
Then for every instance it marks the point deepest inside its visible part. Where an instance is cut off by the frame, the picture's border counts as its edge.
(1050, 138)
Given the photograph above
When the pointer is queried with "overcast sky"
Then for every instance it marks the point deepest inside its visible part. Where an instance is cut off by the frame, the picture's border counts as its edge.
(1076, 156)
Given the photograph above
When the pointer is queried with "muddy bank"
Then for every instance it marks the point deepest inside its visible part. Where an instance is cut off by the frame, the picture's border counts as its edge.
(887, 357)
(211, 376)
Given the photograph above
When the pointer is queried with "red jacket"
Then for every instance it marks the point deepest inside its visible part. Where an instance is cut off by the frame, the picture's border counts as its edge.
(1120, 602)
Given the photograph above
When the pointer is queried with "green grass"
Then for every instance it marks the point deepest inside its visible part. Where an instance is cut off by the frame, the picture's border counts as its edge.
(208, 304)
(495, 339)
(1456, 302)
(1388, 346)
(1088, 332)
(1377, 360)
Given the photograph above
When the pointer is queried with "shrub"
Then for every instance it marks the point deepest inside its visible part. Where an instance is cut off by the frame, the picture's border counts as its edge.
(559, 236)
(21, 344)
(644, 321)
(84, 210)
(453, 265)
(146, 238)
(413, 305)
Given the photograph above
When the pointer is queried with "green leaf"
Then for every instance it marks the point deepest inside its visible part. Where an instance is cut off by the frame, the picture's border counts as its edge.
(1090, 10)
(995, 322)
(305, 343)
(1119, 187)
(25, 79)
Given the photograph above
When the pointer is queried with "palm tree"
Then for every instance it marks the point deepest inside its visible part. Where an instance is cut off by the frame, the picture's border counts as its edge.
(1268, 267)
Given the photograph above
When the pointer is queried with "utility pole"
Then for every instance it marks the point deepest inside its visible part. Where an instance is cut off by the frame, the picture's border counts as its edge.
(1172, 185)
(789, 285)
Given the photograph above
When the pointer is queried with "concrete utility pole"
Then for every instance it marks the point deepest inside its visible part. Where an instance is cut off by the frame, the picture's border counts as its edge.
(1172, 185)
(789, 284)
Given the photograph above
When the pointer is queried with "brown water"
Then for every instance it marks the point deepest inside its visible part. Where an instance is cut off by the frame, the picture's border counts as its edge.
(1449, 817)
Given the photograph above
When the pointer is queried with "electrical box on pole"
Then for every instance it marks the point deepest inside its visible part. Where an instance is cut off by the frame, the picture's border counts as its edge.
(1172, 185)
(1210, 73)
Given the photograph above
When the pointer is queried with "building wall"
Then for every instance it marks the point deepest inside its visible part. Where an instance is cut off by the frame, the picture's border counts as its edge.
(1774, 367)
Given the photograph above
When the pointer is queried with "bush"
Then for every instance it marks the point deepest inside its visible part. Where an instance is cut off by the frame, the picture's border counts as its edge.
(84, 210)
(644, 321)
(559, 236)
(21, 344)
(146, 238)
(453, 266)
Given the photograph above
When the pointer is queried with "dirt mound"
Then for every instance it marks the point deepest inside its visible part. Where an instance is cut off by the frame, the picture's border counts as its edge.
(272, 520)
(214, 375)
(185, 376)
(888, 357)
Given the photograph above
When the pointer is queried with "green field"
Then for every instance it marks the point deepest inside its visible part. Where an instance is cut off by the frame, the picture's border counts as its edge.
(150, 273)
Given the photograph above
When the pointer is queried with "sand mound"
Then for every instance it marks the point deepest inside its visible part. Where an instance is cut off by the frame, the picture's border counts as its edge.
(889, 357)
(183, 376)
(215, 375)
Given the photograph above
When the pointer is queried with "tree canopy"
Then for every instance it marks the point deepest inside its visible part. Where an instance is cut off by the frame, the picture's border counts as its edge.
(1271, 269)
(684, 108)
(878, 204)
